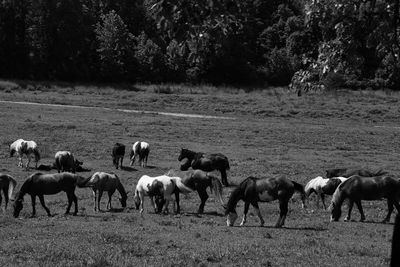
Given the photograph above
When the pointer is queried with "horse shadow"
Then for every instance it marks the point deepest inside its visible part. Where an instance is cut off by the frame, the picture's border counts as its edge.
(210, 213)
(116, 210)
(128, 168)
(315, 229)
(150, 167)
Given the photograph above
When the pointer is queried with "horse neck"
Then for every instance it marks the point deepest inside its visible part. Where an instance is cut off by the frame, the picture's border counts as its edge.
(25, 188)
(190, 154)
(338, 196)
(121, 190)
(236, 195)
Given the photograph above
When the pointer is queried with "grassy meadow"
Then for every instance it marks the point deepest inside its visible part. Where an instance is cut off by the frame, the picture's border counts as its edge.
(268, 133)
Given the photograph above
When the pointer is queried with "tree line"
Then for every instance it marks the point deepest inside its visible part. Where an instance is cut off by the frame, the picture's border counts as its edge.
(308, 43)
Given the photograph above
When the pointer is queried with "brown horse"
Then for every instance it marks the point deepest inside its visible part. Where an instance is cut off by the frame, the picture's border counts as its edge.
(199, 181)
(7, 185)
(39, 184)
(253, 190)
(205, 162)
(347, 172)
(358, 188)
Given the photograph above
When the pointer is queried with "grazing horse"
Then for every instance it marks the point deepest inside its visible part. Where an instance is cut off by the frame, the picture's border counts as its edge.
(322, 186)
(27, 148)
(39, 184)
(7, 185)
(159, 186)
(252, 190)
(205, 162)
(141, 149)
(118, 153)
(347, 172)
(199, 181)
(65, 162)
(358, 188)
(102, 181)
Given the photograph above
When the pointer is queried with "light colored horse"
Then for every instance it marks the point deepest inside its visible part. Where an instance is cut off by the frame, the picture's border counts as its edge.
(142, 150)
(65, 161)
(28, 148)
(7, 185)
(102, 181)
(161, 185)
(321, 187)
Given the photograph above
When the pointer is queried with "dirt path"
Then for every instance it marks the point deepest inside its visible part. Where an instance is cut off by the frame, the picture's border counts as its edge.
(124, 110)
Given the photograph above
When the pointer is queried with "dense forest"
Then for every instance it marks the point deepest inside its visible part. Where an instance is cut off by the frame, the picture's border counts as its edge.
(308, 43)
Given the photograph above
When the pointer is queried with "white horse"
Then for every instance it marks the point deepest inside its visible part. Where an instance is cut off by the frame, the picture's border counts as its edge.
(322, 186)
(102, 181)
(161, 185)
(7, 185)
(28, 148)
(142, 150)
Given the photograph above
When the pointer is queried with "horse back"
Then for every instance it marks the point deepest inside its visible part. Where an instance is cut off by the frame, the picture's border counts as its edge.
(48, 184)
(371, 188)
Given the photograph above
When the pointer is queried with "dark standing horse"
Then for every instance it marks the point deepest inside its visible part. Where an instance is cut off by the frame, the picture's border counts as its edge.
(39, 184)
(253, 190)
(205, 162)
(118, 153)
(347, 172)
(199, 181)
(358, 188)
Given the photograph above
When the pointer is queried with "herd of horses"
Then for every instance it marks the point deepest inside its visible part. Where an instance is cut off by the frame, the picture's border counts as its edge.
(343, 184)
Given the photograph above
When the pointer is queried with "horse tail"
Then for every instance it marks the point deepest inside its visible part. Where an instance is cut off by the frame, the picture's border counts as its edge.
(395, 258)
(11, 187)
(300, 188)
(216, 188)
(182, 188)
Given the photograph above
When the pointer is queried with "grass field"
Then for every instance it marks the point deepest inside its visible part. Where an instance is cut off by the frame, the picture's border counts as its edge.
(270, 133)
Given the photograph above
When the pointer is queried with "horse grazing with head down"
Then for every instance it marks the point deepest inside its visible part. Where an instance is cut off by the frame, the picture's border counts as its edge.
(358, 188)
(347, 172)
(205, 162)
(322, 186)
(7, 185)
(199, 181)
(253, 190)
(38, 185)
(102, 181)
(28, 148)
(118, 153)
(163, 186)
(141, 150)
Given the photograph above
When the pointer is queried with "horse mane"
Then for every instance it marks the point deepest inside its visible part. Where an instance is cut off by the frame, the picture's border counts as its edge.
(121, 190)
(337, 197)
(233, 199)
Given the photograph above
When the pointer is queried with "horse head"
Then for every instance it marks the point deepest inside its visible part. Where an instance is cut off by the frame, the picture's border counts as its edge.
(336, 212)
(231, 218)
(123, 201)
(183, 154)
(17, 207)
(160, 201)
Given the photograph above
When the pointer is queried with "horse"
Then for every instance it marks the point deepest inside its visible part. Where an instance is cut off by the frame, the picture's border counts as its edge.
(322, 186)
(159, 186)
(205, 162)
(252, 190)
(358, 188)
(347, 172)
(141, 149)
(65, 161)
(199, 181)
(39, 184)
(102, 181)
(118, 153)
(7, 185)
(25, 147)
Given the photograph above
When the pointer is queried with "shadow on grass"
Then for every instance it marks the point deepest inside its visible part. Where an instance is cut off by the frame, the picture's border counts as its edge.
(316, 229)
(209, 213)
(128, 168)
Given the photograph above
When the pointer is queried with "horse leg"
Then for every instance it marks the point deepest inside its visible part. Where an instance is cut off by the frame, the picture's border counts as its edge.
(75, 199)
(323, 200)
(390, 203)
(246, 209)
(360, 209)
(203, 197)
(110, 193)
(41, 198)
(152, 204)
(350, 206)
(5, 198)
(33, 200)
(255, 205)
(94, 197)
(99, 199)
(70, 199)
(29, 161)
(4, 208)
(283, 207)
(178, 208)
(224, 177)
(122, 158)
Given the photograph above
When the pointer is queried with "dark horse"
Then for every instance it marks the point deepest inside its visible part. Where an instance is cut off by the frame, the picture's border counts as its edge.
(358, 188)
(199, 181)
(205, 162)
(252, 190)
(347, 172)
(39, 184)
